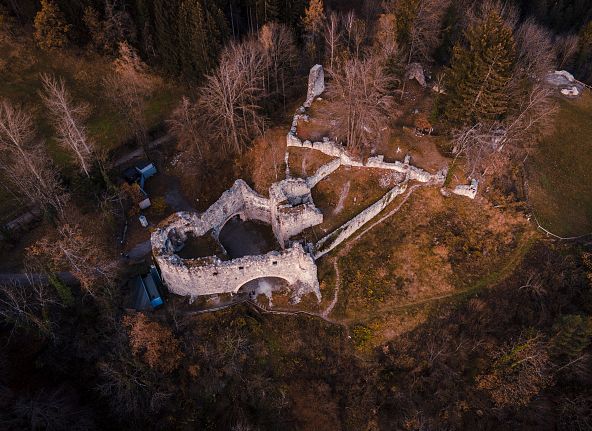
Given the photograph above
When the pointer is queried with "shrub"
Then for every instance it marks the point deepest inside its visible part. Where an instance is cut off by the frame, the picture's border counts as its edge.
(154, 343)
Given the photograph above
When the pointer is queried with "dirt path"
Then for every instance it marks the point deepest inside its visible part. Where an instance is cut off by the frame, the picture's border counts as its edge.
(331, 306)
(346, 249)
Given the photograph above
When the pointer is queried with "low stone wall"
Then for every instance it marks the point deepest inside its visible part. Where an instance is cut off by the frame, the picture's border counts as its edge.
(332, 240)
(469, 191)
(323, 172)
(332, 149)
(213, 276)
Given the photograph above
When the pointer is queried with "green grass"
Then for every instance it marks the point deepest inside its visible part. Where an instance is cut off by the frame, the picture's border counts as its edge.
(560, 172)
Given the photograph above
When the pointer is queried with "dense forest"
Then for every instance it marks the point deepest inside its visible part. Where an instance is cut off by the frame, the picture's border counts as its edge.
(206, 89)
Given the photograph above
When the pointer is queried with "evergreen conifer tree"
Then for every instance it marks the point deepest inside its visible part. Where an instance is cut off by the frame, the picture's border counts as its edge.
(192, 37)
(51, 28)
(268, 10)
(166, 28)
(217, 32)
(480, 72)
(574, 334)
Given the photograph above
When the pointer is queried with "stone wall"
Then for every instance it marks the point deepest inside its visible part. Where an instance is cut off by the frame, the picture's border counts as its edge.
(292, 209)
(289, 210)
(323, 172)
(316, 84)
(213, 276)
(332, 240)
(470, 191)
(239, 199)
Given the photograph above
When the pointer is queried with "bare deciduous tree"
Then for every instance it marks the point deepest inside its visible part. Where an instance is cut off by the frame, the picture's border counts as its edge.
(228, 101)
(520, 371)
(566, 47)
(68, 119)
(279, 51)
(23, 305)
(78, 252)
(128, 87)
(25, 163)
(125, 385)
(424, 29)
(354, 33)
(332, 37)
(184, 125)
(490, 146)
(534, 48)
(361, 101)
(52, 410)
(385, 39)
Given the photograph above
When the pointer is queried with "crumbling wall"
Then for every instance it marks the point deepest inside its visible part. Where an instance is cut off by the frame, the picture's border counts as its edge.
(332, 240)
(332, 149)
(469, 191)
(239, 199)
(316, 84)
(323, 172)
(213, 276)
(292, 221)
(292, 209)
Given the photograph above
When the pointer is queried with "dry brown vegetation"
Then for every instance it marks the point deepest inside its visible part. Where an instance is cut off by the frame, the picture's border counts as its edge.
(433, 247)
(153, 342)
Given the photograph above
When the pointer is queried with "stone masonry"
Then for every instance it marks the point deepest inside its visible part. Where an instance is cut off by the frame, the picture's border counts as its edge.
(289, 210)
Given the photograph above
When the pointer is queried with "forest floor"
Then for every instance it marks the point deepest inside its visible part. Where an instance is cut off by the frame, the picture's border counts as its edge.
(560, 171)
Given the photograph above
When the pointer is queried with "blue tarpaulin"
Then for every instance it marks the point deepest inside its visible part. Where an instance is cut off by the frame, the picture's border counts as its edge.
(147, 290)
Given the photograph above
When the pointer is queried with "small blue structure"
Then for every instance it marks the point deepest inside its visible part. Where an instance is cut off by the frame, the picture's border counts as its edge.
(139, 174)
(147, 290)
(145, 173)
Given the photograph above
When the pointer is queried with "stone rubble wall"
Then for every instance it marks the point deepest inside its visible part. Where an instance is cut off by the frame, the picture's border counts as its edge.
(292, 209)
(332, 240)
(289, 211)
(239, 199)
(332, 149)
(292, 221)
(214, 276)
(316, 84)
(469, 191)
(323, 172)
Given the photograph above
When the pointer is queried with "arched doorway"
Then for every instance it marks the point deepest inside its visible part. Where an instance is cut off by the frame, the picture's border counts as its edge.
(263, 289)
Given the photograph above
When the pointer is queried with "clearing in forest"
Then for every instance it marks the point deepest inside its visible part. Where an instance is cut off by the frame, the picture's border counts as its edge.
(560, 171)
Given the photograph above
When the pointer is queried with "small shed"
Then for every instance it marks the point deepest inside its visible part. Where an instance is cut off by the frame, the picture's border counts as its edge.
(145, 173)
(139, 173)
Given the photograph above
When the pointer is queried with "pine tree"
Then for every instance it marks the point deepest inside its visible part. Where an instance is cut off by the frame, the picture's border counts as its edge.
(313, 23)
(166, 32)
(51, 28)
(406, 11)
(217, 32)
(584, 56)
(268, 10)
(192, 35)
(292, 11)
(478, 78)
